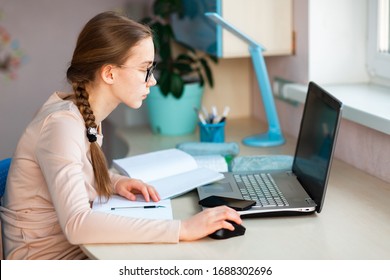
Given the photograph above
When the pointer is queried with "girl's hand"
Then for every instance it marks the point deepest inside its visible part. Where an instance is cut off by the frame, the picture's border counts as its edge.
(207, 222)
(129, 187)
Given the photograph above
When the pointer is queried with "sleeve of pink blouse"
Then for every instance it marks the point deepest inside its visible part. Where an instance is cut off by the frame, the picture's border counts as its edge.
(60, 155)
(115, 178)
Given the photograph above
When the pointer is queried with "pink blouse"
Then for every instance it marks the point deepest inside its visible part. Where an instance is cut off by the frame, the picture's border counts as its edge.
(46, 210)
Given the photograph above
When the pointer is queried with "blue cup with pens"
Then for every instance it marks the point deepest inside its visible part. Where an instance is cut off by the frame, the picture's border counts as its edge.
(212, 126)
(212, 132)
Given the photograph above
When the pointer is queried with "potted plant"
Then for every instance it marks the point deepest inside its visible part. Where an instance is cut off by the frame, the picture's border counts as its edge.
(181, 73)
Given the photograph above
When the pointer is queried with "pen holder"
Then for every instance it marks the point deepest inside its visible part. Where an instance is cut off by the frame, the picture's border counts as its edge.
(212, 132)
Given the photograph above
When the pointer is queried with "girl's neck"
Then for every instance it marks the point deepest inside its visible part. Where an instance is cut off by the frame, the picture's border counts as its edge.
(101, 103)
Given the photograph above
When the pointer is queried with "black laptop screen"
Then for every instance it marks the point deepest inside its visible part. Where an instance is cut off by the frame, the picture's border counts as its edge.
(315, 145)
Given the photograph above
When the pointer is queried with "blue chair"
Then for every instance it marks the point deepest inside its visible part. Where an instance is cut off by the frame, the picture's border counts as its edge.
(4, 167)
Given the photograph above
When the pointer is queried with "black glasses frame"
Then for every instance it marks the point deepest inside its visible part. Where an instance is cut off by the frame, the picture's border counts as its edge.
(149, 71)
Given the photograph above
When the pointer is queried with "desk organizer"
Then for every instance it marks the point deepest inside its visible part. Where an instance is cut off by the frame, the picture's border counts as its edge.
(214, 133)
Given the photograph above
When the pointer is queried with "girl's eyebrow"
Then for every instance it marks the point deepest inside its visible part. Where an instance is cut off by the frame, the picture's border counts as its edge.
(147, 63)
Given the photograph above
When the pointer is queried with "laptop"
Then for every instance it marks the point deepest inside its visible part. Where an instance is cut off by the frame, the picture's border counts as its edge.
(302, 189)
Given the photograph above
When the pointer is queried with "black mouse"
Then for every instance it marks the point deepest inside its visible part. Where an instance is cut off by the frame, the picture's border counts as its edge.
(224, 233)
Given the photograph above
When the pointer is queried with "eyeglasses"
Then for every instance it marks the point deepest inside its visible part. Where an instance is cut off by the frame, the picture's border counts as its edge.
(149, 70)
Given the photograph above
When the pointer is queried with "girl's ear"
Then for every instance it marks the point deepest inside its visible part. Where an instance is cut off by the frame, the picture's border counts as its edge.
(107, 74)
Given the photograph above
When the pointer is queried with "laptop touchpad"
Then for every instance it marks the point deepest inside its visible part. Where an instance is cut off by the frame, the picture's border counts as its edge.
(217, 188)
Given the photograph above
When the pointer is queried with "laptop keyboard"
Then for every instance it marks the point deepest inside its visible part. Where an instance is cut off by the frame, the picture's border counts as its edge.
(261, 188)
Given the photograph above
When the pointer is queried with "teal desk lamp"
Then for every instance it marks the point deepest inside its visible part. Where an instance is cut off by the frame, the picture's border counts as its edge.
(274, 136)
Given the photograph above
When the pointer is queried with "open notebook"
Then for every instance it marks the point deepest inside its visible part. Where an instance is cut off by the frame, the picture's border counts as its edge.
(172, 172)
(137, 209)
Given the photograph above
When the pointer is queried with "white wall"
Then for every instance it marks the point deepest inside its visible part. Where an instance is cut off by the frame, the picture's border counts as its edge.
(47, 31)
(294, 67)
(331, 49)
(331, 42)
(330, 46)
(338, 41)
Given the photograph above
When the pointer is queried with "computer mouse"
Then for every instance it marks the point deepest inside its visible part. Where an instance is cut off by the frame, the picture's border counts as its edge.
(224, 233)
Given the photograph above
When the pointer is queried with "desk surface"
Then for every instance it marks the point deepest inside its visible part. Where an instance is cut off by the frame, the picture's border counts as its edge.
(354, 222)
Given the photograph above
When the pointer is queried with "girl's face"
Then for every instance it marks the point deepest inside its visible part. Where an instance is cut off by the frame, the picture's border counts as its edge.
(131, 86)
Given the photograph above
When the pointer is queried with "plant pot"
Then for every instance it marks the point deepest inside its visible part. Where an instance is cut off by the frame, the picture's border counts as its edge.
(171, 116)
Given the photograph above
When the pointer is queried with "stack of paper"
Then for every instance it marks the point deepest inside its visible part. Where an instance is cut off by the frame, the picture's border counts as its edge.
(213, 162)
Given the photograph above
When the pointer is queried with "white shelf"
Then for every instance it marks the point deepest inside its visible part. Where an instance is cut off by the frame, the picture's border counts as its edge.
(366, 104)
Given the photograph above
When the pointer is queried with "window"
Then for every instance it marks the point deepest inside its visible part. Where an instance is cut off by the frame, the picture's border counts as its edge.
(383, 27)
(378, 57)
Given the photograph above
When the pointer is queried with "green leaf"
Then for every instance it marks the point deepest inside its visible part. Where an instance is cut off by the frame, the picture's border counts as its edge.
(165, 53)
(183, 68)
(157, 34)
(164, 82)
(165, 8)
(201, 80)
(188, 64)
(213, 58)
(208, 72)
(147, 20)
(186, 46)
(177, 85)
(185, 57)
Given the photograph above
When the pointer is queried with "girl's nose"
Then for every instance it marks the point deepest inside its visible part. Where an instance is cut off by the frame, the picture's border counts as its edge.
(152, 81)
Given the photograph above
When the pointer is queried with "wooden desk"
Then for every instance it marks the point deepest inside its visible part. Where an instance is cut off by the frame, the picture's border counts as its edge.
(354, 223)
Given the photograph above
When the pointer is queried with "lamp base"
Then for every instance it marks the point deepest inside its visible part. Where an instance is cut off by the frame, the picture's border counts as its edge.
(266, 139)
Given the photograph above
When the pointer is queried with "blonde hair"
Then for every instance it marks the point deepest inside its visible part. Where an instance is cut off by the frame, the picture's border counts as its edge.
(105, 39)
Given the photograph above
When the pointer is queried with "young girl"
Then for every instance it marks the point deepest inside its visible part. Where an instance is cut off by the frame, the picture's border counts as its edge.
(58, 168)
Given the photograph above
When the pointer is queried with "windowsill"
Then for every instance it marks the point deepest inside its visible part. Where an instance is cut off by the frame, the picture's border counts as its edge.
(364, 103)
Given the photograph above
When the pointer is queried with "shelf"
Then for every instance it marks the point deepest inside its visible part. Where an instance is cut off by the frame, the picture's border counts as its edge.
(268, 22)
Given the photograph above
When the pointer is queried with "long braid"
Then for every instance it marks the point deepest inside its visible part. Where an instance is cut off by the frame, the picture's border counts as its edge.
(99, 162)
(105, 39)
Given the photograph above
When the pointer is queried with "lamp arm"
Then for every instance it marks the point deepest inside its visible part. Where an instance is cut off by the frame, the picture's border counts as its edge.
(265, 89)
(219, 20)
(274, 135)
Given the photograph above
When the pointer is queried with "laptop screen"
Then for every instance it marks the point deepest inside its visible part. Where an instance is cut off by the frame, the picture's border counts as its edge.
(314, 151)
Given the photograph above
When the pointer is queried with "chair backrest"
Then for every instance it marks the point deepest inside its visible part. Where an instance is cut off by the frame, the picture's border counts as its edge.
(4, 167)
